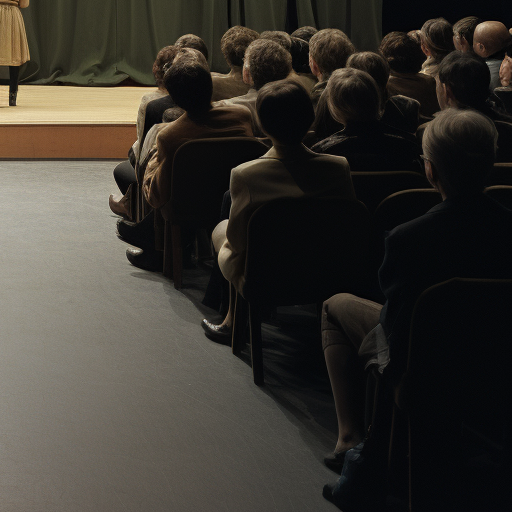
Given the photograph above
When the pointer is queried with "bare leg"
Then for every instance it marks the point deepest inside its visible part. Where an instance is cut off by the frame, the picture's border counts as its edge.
(347, 377)
(346, 320)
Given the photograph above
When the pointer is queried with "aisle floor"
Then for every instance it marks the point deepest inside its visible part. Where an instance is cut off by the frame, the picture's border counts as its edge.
(112, 399)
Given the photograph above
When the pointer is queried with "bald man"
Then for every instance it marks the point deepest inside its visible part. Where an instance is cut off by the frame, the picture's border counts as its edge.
(490, 41)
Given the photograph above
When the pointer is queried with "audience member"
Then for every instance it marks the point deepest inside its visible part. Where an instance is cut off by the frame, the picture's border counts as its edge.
(279, 37)
(490, 41)
(405, 58)
(265, 61)
(329, 49)
(354, 101)
(288, 170)
(156, 108)
(436, 42)
(194, 42)
(398, 112)
(467, 235)
(233, 45)
(300, 63)
(124, 173)
(305, 33)
(504, 92)
(189, 82)
(463, 33)
(463, 82)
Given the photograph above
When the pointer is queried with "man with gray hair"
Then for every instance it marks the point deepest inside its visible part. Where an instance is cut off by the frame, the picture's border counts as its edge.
(466, 235)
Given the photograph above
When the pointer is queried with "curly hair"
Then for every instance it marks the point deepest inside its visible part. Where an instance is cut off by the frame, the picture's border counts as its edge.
(267, 62)
(164, 57)
(234, 42)
(192, 41)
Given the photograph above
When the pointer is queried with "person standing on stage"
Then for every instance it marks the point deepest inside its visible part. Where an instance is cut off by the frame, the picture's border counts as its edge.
(13, 42)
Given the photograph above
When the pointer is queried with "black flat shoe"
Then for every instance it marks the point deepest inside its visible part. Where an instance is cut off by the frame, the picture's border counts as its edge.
(146, 260)
(334, 461)
(218, 333)
(141, 234)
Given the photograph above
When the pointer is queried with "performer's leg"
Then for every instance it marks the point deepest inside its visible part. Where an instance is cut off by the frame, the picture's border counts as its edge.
(14, 75)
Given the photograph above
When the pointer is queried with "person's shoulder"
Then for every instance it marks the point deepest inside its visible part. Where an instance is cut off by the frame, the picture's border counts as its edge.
(329, 161)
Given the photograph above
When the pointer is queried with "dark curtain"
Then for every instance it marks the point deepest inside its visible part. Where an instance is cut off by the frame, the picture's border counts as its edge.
(103, 42)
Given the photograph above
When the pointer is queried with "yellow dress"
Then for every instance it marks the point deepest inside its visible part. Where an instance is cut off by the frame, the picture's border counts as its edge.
(13, 38)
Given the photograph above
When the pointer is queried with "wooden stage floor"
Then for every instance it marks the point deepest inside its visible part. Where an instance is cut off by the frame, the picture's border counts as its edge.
(69, 122)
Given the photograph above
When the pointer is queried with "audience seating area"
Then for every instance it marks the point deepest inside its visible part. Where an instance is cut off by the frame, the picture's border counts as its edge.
(303, 250)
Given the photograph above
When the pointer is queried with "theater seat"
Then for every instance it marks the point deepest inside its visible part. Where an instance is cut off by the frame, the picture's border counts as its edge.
(300, 251)
(200, 177)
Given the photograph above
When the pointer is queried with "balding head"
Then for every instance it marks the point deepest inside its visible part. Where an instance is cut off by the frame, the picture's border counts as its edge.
(490, 37)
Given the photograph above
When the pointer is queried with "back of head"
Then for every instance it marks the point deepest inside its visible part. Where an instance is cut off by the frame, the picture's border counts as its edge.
(304, 33)
(402, 52)
(189, 81)
(468, 77)
(279, 37)
(267, 62)
(490, 37)
(465, 28)
(192, 41)
(352, 95)
(437, 36)
(164, 58)
(300, 55)
(461, 144)
(234, 43)
(374, 64)
(330, 48)
(285, 111)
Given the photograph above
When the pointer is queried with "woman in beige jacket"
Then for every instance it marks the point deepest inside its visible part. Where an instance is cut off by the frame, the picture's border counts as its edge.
(13, 42)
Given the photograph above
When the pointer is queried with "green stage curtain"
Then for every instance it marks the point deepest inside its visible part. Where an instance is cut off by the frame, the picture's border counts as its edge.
(361, 20)
(103, 42)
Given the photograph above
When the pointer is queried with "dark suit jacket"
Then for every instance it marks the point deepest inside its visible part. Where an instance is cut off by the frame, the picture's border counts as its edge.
(469, 237)
(372, 147)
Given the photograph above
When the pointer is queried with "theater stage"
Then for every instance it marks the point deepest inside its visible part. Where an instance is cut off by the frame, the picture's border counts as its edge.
(54, 122)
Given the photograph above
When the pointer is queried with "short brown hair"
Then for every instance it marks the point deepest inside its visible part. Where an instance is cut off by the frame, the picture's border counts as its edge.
(267, 61)
(165, 56)
(234, 43)
(305, 33)
(192, 41)
(279, 37)
(330, 48)
(402, 52)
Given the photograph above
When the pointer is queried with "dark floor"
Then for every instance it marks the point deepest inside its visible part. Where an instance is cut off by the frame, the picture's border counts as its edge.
(112, 399)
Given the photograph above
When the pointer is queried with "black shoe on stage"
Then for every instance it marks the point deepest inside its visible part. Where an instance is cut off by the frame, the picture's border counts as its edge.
(146, 260)
(12, 99)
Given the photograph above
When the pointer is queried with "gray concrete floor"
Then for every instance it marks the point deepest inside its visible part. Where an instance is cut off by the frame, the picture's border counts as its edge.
(111, 398)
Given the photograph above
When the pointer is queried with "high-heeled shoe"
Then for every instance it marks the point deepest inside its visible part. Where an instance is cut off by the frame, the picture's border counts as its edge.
(12, 99)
